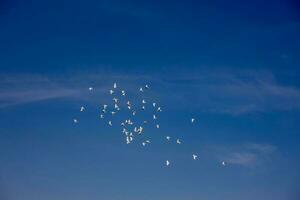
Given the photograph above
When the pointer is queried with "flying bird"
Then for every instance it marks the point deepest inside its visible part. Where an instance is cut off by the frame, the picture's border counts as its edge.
(223, 163)
(115, 100)
(123, 92)
(195, 156)
(110, 123)
(168, 137)
(178, 141)
(75, 121)
(111, 91)
(91, 88)
(82, 109)
(167, 162)
(141, 89)
(192, 120)
(115, 85)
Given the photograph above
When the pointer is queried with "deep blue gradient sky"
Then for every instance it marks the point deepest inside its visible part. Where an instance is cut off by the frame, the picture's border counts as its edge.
(233, 65)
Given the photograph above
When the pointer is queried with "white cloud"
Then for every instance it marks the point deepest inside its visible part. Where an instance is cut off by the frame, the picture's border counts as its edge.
(233, 92)
(247, 155)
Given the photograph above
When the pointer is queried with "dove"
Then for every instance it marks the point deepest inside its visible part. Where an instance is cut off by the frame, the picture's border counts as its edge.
(91, 88)
(75, 121)
(167, 163)
(194, 156)
(178, 141)
(115, 100)
(192, 120)
(115, 85)
(82, 109)
(110, 123)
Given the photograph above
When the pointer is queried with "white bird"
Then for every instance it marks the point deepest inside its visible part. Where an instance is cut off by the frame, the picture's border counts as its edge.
(147, 86)
(127, 140)
(116, 106)
(75, 121)
(129, 107)
(141, 89)
(223, 163)
(168, 137)
(101, 116)
(157, 125)
(91, 88)
(111, 91)
(104, 106)
(159, 109)
(115, 100)
(145, 122)
(154, 104)
(112, 112)
(110, 123)
(195, 156)
(154, 117)
(178, 141)
(143, 101)
(167, 162)
(123, 93)
(115, 85)
(146, 142)
(192, 120)
(134, 112)
(143, 107)
(82, 109)
(128, 103)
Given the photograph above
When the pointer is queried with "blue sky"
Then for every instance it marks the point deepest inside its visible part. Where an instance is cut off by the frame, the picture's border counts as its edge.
(232, 65)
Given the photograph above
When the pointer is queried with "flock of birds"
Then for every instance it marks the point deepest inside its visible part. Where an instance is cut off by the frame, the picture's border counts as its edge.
(131, 128)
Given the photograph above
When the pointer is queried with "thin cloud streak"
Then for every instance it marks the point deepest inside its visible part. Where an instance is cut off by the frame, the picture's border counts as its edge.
(227, 92)
(245, 155)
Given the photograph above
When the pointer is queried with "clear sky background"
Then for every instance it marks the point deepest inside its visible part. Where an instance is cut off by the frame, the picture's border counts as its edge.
(233, 65)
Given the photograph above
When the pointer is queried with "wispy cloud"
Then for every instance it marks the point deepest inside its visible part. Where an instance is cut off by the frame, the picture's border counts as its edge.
(247, 155)
(232, 92)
